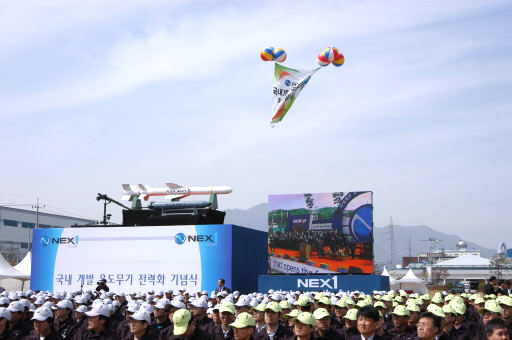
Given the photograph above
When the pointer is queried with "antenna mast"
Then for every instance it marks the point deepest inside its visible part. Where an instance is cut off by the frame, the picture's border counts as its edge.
(392, 241)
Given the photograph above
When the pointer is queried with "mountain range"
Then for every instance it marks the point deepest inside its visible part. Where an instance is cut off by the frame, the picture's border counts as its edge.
(256, 218)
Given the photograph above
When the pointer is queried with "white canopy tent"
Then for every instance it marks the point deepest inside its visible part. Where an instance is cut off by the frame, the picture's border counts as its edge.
(10, 277)
(7, 271)
(385, 272)
(411, 282)
(25, 266)
(392, 281)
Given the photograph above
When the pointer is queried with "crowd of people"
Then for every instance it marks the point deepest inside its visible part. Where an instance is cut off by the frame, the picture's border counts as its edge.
(272, 315)
(338, 243)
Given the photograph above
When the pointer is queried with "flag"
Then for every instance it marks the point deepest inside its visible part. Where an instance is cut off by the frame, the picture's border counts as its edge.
(288, 83)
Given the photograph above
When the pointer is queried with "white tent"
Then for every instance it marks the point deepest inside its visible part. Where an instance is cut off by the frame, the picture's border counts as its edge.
(392, 281)
(25, 266)
(7, 271)
(385, 272)
(411, 282)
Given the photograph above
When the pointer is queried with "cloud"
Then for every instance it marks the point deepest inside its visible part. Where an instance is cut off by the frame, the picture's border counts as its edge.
(202, 45)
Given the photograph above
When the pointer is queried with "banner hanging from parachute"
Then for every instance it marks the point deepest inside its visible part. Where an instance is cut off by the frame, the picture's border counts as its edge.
(288, 83)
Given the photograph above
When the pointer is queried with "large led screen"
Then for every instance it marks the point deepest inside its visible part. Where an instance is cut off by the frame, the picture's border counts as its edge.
(316, 233)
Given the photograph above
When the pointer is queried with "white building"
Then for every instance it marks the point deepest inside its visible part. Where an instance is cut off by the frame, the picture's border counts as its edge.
(16, 227)
(467, 268)
(446, 254)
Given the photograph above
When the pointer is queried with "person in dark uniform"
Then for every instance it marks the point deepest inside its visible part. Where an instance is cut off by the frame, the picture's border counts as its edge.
(401, 329)
(243, 326)
(184, 327)
(5, 318)
(139, 326)
(387, 300)
(449, 320)
(98, 325)
(64, 324)
(323, 325)
(80, 317)
(350, 328)
(121, 297)
(461, 328)
(123, 328)
(505, 303)
(274, 330)
(201, 320)
(162, 321)
(304, 327)
(18, 326)
(340, 310)
(227, 315)
(43, 326)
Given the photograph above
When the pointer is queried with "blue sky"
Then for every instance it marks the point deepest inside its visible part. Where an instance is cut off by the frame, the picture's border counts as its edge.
(97, 93)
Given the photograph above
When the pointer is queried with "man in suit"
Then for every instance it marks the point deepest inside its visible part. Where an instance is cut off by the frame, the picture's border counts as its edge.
(508, 287)
(221, 286)
(367, 322)
(429, 327)
(503, 288)
(489, 286)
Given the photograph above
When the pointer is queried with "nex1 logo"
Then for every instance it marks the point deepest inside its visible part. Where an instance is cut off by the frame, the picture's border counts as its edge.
(182, 238)
(47, 240)
(318, 283)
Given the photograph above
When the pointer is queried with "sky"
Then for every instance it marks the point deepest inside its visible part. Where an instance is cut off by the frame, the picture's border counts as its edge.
(94, 94)
(320, 200)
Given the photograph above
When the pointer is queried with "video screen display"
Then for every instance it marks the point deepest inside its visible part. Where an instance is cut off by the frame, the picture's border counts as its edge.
(321, 233)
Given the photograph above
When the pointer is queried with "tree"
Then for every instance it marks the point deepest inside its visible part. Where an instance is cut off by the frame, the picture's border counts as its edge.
(499, 266)
(438, 275)
(310, 202)
(337, 198)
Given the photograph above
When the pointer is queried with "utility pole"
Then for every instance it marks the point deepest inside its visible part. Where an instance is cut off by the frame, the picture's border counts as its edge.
(37, 207)
(410, 250)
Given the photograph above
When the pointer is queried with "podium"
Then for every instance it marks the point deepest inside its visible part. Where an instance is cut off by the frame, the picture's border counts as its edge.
(305, 250)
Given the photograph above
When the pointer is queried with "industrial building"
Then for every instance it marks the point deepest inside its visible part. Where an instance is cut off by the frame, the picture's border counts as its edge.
(451, 266)
(439, 255)
(16, 227)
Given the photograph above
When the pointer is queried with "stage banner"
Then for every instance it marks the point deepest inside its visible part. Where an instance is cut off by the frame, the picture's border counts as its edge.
(316, 233)
(332, 283)
(132, 259)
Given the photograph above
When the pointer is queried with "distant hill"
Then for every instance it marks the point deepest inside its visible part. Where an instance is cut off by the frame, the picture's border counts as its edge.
(256, 218)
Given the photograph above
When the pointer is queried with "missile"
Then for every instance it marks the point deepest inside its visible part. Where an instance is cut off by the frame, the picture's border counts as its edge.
(179, 205)
(170, 192)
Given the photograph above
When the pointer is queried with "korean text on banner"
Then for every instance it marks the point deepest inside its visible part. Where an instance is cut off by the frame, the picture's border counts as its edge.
(288, 83)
